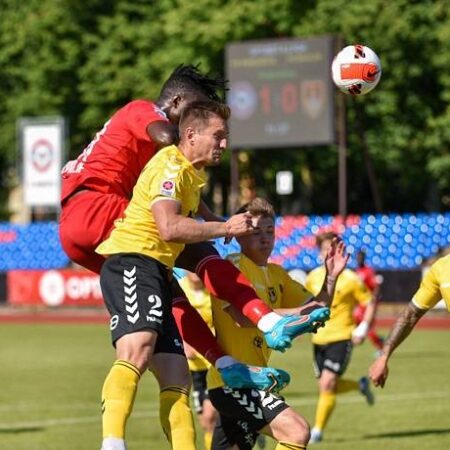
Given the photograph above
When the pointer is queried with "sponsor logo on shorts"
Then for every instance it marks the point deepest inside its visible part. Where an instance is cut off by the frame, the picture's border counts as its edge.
(269, 401)
(334, 366)
(114, 322)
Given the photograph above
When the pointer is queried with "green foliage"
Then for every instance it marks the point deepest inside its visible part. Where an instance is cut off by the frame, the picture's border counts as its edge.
(83, 60)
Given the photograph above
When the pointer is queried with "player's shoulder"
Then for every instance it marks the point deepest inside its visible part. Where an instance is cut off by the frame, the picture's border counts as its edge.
(144, 106)
(317, 272)
(140, 103)
(441, 266)
(350, 276)
(277, 269)
(444, 261)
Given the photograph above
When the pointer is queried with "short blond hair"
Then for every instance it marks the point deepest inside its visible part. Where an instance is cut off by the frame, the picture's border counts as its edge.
(258, 207)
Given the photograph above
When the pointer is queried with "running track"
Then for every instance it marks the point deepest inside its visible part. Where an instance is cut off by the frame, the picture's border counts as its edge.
(432, 321)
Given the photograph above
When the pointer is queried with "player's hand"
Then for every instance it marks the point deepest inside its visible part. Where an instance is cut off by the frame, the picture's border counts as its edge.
(239, 225)
(336, 258)
(379, 371)
(357, 340)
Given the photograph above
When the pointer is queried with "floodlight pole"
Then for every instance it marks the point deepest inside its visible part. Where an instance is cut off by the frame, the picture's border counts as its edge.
(342, 157)
(234, 175)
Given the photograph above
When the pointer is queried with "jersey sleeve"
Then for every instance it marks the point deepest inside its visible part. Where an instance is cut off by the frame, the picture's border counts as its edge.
(168, 181)
(428, 293)
(294, 293)
(140, 114)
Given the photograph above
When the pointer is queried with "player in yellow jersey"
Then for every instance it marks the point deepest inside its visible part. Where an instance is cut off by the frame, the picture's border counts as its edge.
(333, 343)
(244, 413)
(200, 299)
(136, 276)
(434, 287)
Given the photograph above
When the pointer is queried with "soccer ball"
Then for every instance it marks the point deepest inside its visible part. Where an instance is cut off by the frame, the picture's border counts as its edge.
(356, 70)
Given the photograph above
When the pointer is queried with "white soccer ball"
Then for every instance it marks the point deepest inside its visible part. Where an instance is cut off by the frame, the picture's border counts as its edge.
(356, 70)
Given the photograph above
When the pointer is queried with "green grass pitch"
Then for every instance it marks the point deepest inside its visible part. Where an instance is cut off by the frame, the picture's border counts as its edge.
(51, 377)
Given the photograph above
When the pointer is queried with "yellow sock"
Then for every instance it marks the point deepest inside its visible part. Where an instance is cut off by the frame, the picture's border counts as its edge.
(207, 439)
(325, 406)
(119, 391)
(176, 417)
(287, 445)
(344, 385)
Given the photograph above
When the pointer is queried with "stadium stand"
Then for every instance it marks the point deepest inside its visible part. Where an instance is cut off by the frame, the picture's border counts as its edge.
(392, 242)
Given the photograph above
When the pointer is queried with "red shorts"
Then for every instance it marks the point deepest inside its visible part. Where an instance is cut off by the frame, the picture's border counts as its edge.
(86, 220)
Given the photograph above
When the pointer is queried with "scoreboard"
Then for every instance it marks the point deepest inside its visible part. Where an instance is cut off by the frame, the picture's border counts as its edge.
(281, 93)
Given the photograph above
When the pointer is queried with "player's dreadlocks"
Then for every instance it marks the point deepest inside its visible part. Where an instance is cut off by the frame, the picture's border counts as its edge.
(189, 78)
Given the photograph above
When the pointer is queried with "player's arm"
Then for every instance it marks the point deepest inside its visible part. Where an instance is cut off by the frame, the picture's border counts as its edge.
(360, 332)
(174, 227)
(162, 133)
(335, 263)
(378, 372)
(205, 213)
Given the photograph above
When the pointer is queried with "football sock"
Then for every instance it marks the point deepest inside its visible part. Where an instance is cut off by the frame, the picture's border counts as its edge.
(207, 439)
(194, 330)
(224, 281)
(376, 340)
(287, 445)
(325, 406)
(345, 385)
(119, 391)
(176, 418)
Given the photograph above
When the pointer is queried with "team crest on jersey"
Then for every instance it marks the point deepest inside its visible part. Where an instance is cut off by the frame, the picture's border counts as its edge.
(258, 342)
(272, 294)
(168, 188)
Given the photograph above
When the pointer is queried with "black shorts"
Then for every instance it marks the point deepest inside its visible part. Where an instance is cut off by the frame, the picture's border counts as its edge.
(137, 293)
(192, 254)
(199, 389)
(243, 413)
(334, 357)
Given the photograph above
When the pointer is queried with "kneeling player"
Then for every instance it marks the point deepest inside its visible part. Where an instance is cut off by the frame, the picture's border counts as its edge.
(244, 413)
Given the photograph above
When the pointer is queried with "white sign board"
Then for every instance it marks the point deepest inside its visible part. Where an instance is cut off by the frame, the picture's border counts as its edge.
(42, 146)
(285, 182)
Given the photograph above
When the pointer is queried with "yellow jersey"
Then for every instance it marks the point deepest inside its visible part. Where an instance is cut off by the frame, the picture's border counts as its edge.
(350, 291)
(435, 285)
(273, 285)
(168, 176)
(200, 299)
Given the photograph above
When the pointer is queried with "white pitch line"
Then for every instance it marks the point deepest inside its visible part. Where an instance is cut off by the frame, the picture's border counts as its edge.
(407, 396)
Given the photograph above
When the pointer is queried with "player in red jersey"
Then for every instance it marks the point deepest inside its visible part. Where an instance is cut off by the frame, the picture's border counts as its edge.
(97, 186)
(96, 189)
(369, 278)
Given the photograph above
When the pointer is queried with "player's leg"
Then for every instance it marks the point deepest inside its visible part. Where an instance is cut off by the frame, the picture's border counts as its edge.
(169, 365)
(289, 429)
(206, 413)
(128, 284)
(246, 412)
(196, 333)
(375, 338)
(330, 363)
(86, 220)
(226, 282)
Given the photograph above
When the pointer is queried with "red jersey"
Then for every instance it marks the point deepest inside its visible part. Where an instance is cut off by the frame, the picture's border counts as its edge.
(368, 277)
(116, 156)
